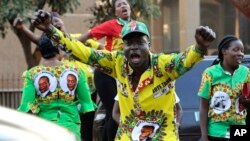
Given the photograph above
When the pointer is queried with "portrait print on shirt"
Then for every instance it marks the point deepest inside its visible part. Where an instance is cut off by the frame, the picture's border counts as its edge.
(220, 102)
(68, 81)
(45, 83)
(144, 130)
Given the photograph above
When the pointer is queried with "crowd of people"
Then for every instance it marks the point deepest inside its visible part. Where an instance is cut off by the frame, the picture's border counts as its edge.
(136, 86)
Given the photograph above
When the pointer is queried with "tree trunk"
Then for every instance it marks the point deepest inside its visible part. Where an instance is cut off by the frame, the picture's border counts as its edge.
(26, 45)
(243, 6)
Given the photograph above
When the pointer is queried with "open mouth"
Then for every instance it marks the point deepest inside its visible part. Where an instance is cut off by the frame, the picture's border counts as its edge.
(135, 58)
(124, 11)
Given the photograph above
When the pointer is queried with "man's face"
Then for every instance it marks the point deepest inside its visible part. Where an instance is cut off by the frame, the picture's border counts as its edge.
(43, 84)
(146, 132)
(71, 82)
(136, 50)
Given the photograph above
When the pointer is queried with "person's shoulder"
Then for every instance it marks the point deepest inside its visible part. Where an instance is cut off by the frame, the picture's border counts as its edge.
(242, 67)
(32, 71)
(111, 21)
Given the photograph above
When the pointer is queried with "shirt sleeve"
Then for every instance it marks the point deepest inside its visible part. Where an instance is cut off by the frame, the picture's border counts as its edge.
(205, 87)
(175, 65)
(28, 101)
(102, 30)
(84, 96)
(102, 59)
(116, 98)
(177, 99)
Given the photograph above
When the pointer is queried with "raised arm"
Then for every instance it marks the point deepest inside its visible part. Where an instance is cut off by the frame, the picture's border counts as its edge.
(175, 65)
(84, 37)
(18, 24)
(102, 59)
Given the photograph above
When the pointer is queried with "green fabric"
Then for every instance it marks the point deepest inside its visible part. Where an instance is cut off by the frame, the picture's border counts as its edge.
(223, 90)
(59, 106)
(134, 26)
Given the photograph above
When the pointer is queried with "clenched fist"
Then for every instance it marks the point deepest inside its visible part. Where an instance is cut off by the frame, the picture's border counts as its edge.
(42, 20)
(204, 36)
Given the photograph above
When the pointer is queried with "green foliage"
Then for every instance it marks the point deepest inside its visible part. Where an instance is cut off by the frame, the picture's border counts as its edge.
(63, 6)
(10, 9)
(141, 10)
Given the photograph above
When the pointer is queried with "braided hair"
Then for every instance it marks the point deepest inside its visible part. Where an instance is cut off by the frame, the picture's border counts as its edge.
(224, 44)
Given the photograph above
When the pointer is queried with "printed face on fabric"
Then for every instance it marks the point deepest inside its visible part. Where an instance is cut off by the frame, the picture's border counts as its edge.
(144, 130)
(71, 81)
(45, 83)
(68, 81)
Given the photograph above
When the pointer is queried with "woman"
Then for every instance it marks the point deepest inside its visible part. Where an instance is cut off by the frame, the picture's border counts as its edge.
(221, 102)
(57, 106)
(87, 119)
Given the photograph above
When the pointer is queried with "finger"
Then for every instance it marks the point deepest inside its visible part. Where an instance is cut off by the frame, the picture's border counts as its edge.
(15, 22)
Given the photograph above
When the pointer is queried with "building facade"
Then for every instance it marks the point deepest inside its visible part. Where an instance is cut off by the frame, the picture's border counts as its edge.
(173, 31)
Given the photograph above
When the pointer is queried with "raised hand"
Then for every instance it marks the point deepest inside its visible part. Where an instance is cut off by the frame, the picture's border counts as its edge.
(42, 20)
(18, 23)
(204, 36)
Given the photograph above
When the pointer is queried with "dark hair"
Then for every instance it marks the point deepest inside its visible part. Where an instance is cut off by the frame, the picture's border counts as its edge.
(224, 44)
(54, 14)
(46, 77)
(46, 48)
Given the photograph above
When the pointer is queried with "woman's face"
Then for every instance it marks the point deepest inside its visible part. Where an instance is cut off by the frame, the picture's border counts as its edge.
(122, 9)
(58, 23)
(234, 54)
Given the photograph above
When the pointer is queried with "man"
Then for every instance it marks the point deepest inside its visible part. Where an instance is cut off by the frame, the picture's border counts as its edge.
(43, 84)
(145, 87)
(71, 82)
(146, 131)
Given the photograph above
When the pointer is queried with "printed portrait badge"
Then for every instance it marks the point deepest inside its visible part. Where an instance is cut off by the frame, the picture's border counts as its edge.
(45, 83)
(220, 102)
(144, 130)
(68, 81)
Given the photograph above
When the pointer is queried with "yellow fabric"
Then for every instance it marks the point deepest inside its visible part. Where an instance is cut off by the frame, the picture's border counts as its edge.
(91, 42)
(153, 101)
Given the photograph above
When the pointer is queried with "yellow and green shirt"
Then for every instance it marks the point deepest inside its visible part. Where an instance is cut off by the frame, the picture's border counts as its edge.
(222, 90)
(152, 103)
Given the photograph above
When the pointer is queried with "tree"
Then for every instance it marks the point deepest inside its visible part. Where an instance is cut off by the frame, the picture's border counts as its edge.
(141, 10)
(243, 6)
(10, 9)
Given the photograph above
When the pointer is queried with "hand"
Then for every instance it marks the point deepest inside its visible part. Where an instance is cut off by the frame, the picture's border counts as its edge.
(18, 23)
(245, 101)
(42, 20)
(204, 37)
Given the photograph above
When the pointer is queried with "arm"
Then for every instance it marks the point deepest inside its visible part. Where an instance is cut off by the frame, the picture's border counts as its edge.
(28, 103)
(179, 113)
(83, 93)
(84, 37)
(18, 24)
(116, 112)
(176, 65)
(204, 118)
(204, 94)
